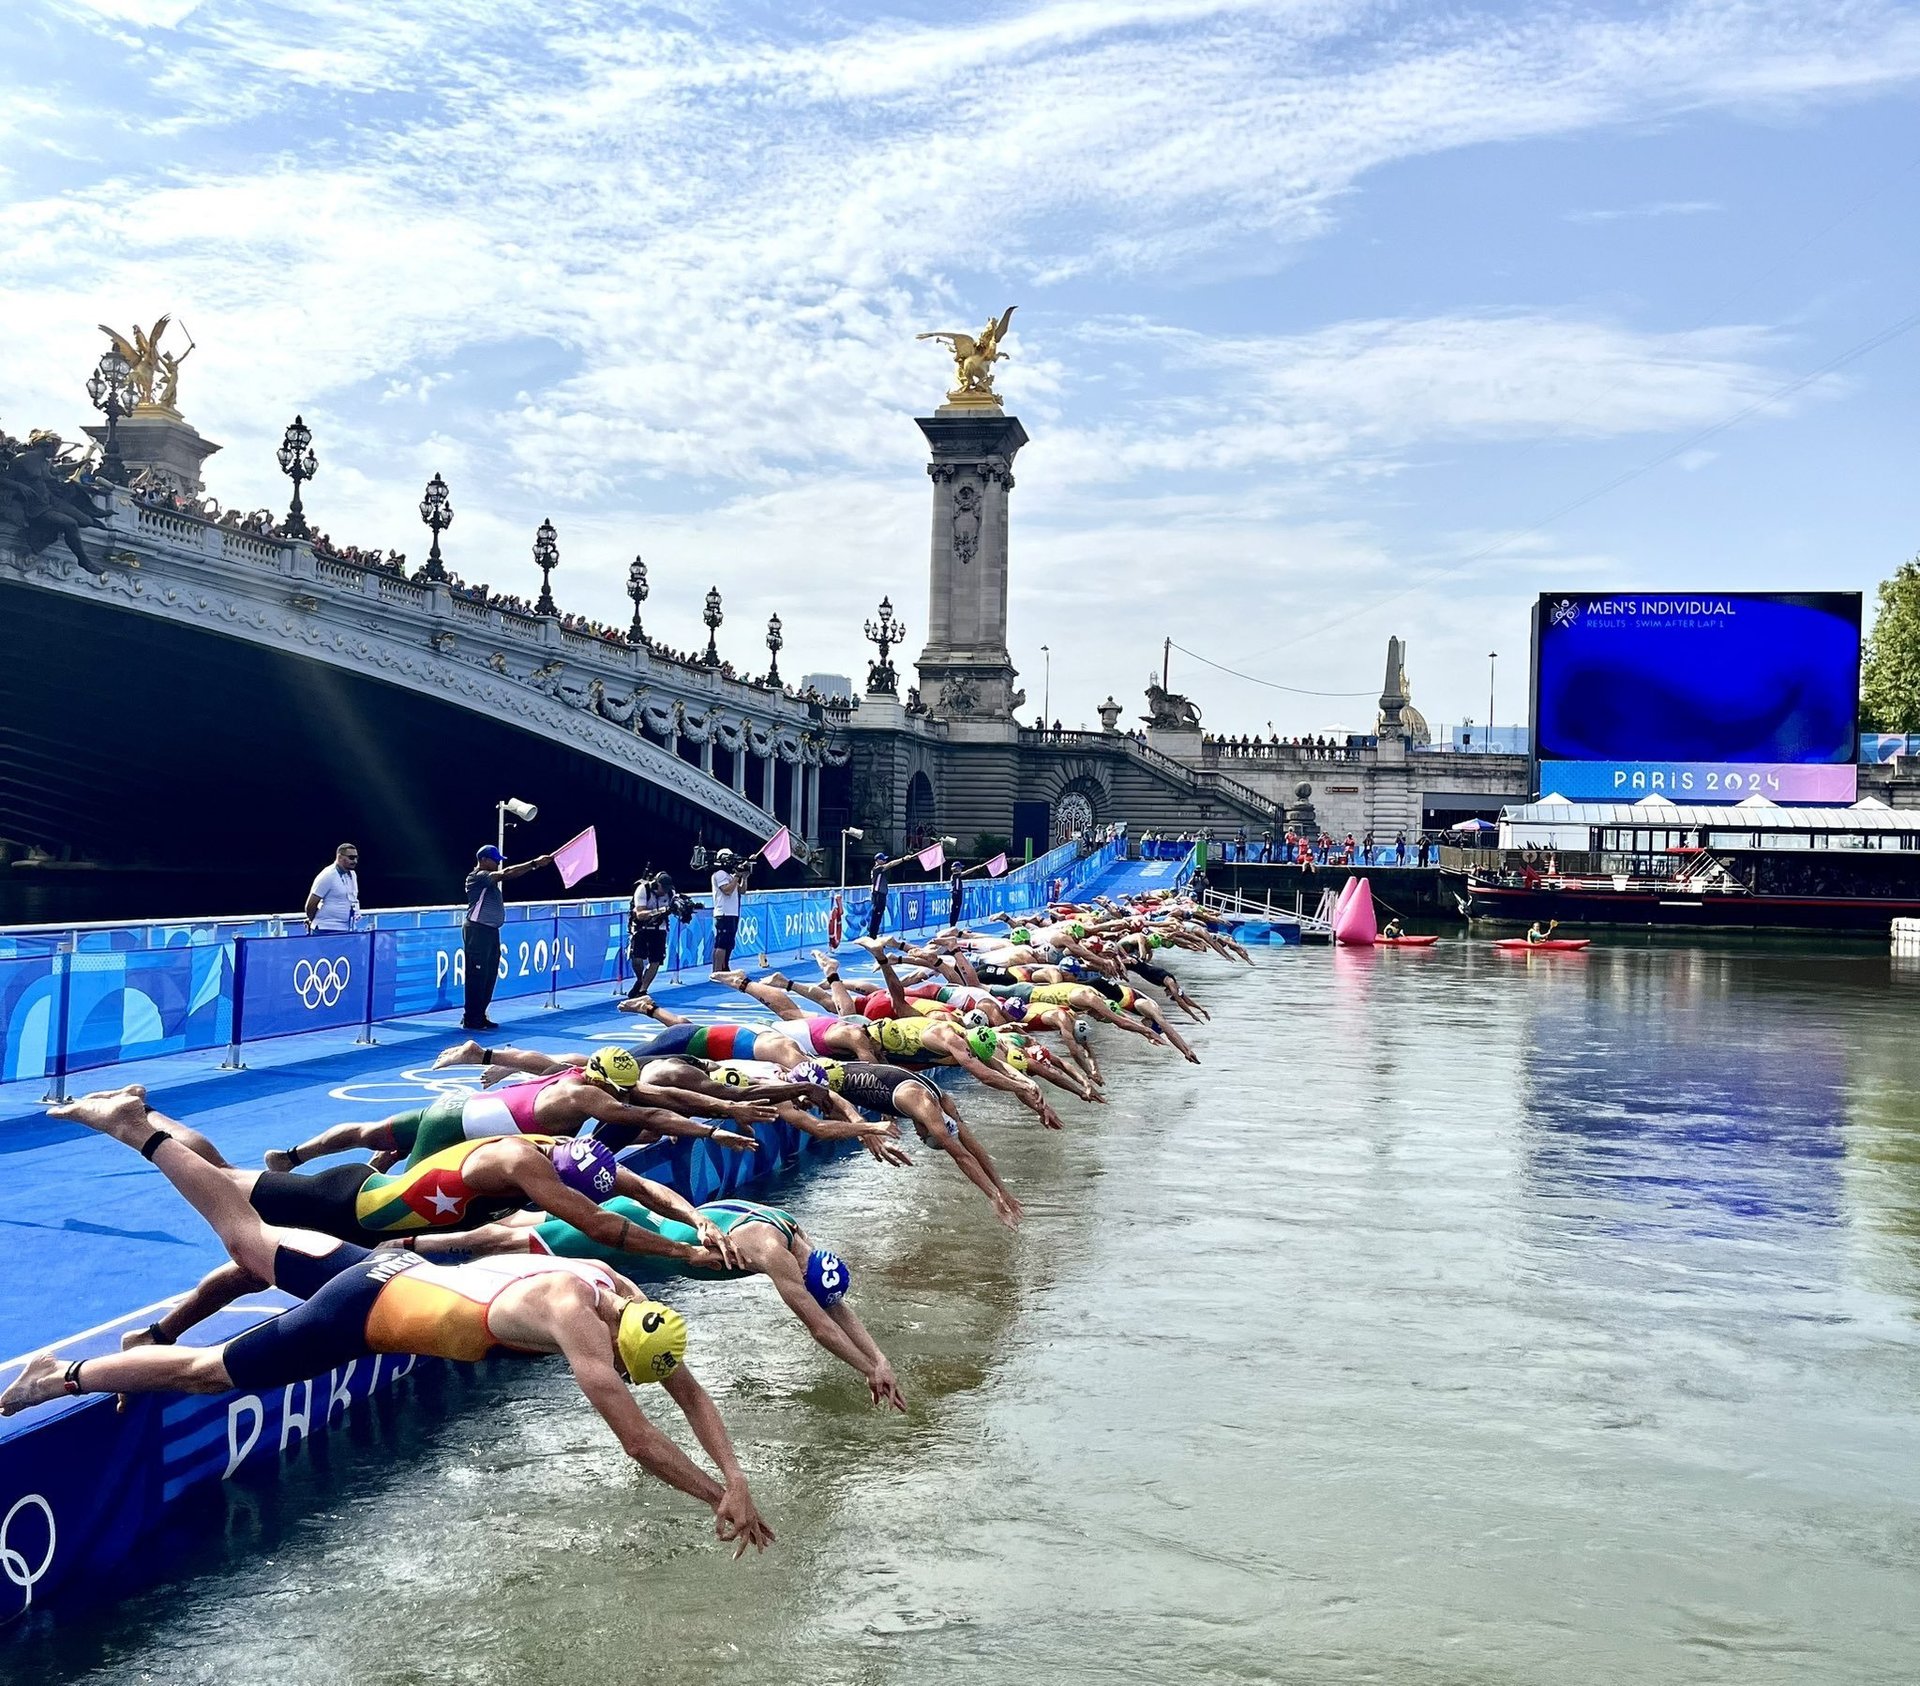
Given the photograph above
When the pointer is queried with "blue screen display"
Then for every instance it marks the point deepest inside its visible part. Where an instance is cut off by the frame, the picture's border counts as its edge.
(1702, 697)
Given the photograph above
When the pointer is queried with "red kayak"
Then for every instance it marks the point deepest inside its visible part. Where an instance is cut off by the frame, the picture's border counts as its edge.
(1404, 942)
(1548, 942)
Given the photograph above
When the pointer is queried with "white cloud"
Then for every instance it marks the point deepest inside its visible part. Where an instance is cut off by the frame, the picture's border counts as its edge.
(678, 262)
(1655, 208)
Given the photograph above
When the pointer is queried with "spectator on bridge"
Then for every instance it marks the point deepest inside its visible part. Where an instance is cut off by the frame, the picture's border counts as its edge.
(480, 936)
(1400, 850)
(333, 904)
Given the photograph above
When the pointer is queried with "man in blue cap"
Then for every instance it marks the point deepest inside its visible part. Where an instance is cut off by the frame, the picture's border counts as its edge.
(480, 938)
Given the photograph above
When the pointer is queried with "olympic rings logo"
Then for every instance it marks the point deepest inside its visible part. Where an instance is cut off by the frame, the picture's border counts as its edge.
(321, 983)
(14, 1563)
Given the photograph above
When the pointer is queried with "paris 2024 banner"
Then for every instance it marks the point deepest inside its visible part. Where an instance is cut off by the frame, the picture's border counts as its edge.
(1699, 697)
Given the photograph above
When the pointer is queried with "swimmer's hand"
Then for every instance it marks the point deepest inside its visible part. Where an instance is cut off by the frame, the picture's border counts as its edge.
(888, 1152)
(715, 1242)
(736, 1518)
(885, 1388)
(747, 1112)
(733, 1139)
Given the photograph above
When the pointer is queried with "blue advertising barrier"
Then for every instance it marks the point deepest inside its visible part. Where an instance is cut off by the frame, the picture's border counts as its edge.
(284, 985)
(120, 998)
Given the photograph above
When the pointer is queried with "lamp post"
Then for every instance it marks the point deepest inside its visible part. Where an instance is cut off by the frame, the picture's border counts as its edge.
(637, 590)
(889, 632)
(713, 618)
(437, 512)
(775, 643)
(108, 388)
(546, 557)
(1492, 656)
(1046, 691)
(846, 832)
(297, 463)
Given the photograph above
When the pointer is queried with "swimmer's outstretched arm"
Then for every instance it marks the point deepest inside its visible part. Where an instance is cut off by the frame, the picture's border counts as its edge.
(604, 1109)
(584, 1343)
(996, 1076)
(867, 1361)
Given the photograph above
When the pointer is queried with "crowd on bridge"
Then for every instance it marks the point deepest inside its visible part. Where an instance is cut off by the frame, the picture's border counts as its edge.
(1291, 848)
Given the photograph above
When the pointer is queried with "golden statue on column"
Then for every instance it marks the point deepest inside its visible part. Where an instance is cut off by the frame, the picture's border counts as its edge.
(974, 356)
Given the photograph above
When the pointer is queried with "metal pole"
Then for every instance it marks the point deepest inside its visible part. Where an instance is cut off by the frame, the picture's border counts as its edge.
(233, 1061)
(500, 835)
(1491, 656)
(63, 968)
(553, 972)
(365, 1038)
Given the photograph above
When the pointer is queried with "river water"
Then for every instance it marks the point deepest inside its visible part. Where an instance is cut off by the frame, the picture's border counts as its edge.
(1466, 1318)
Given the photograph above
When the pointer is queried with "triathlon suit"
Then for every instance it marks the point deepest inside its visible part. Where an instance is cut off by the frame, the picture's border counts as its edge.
(358, 1203)
(561, 1238)
(879, 1005)
(1158, 976)
(872, 1088)
(703, 1042)
(988, 974)
(505, 1111)
(359, 1303)
(811, 1032)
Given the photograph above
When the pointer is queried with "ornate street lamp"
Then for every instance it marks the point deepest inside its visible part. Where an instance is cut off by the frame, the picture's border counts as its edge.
(109, 386)
(775, 644)
(546, 557)
(437, 512)
(713, 618)
(297, 463)
(637, 590)
(880, 674)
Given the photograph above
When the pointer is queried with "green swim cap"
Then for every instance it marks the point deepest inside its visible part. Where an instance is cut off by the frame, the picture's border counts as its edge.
(1078, 931)
(1022, 935)
(1156, 942)
(983, 1042)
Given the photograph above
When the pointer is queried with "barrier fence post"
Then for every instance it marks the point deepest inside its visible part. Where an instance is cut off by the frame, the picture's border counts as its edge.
(233, 1061)
(63, 996)
(553, 968)
(366, 1039)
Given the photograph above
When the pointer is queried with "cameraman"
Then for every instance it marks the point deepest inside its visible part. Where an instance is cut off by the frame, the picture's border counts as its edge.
(653, 905)
(729, 879)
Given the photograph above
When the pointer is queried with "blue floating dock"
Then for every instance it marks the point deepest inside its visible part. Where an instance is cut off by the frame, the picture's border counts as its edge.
(98, 1243)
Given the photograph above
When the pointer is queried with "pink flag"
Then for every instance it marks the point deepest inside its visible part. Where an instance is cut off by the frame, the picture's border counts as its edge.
(933, 858)
(996, 866)
(778, 849)
(577, 857)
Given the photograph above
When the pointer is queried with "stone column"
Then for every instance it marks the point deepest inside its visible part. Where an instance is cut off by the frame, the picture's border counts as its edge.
(812, 832)
(766, 779)
(965, 668)
(706, 754)
(796, 801)
(740, 762)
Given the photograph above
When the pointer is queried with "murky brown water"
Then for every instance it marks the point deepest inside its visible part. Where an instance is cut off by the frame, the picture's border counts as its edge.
(1465, 1319)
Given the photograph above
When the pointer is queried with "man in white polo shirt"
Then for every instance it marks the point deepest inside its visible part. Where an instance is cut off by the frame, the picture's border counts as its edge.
(333, 904)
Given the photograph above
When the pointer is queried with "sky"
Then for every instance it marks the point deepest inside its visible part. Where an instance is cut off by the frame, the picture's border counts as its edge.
(1336, 320)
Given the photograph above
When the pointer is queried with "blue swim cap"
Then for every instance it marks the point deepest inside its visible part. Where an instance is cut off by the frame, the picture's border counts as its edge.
(827, 1277)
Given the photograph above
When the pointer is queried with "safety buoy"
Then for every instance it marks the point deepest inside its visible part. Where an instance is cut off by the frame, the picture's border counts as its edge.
(836, 922)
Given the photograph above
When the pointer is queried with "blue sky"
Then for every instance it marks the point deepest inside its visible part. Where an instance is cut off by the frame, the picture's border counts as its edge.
(1328, 312)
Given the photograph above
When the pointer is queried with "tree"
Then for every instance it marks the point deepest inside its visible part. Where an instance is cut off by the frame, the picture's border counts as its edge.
(1890, 673)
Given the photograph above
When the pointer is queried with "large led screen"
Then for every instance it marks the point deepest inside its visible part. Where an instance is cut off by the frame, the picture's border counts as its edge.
(1700, 698)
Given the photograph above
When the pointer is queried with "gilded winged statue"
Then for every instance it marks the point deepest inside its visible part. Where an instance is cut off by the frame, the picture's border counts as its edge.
(145, 362)
(974, 356)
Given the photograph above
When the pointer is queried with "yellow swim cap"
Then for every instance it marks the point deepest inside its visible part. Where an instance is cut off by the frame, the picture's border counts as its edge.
(615, 1066)
(652, 1341)
(1015, 1057)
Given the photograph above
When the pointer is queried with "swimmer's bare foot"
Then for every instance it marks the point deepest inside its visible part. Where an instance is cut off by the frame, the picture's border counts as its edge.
(280, 1159)
(735, 979)
(638, 1004)
(495, 1074)
(137, 1337)
(779, 980)
(119, 1113)
(466, 1053)
(44, 1378)
(829, 967)
(873, 945)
